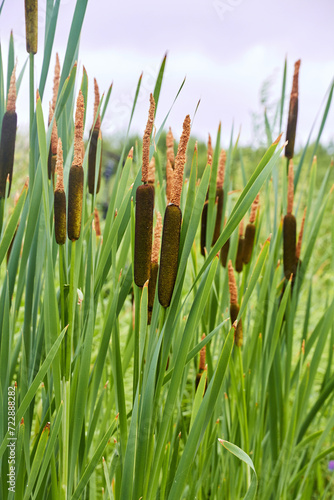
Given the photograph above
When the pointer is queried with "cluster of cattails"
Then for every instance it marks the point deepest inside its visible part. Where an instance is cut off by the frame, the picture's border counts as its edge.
(7, 142)
(293, 113)
(291, 250)
(234, 306)
(95, 135)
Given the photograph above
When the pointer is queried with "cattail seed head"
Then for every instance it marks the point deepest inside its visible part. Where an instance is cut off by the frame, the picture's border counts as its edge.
(147, 140)
(300, 236)
(248, 243)
(8, 136)
(202, 355)
(31, 17)
(289, 245)
(254, 208)
(97, 226)
(96, 105)
(210, 151)
(204, 221)
(240, 249)
(170, 148)
(76, 176)
(221, 169)
(290, 189)
(96, 134)
(60, 199)
(232, 284)
(220, 205)
(169, 253)
(169, 178)
(293, 114)
(143, 233)
(180, 161)
(56, 81)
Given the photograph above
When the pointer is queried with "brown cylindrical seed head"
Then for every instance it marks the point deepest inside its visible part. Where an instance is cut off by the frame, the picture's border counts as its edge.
(204, 220)
(180, 161)
(232, 285)
(147, 140)
(170, 148)
(75, 196)
(31, 17)
(96, 133)
(293, 114)
(169, 254)
(60, 199)
(240, 249)
(220, 204)
(248, 243)
(255, 206)
(224, 253)
(238, 334)
(7, 150)
(151, 289)
(289, 245)
(290, 189)
(78, 129)
(143, 233)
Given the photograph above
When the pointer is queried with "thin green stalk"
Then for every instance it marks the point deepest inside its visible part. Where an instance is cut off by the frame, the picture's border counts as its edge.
(62, 282)
(31, 119)
(71, 316)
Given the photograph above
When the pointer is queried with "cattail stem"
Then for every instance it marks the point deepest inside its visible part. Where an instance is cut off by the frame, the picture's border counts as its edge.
(31, 118)
(61, 284)
(71, 315)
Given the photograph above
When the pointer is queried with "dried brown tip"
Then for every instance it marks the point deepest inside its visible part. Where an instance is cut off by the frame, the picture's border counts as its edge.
(221, 169)
(232, 284)
(37, 95)
(180, 161)
(151, 171)
(54, 133)
(157, 239)
(169, 178)
(294, 91)
(290, 188)
(202, 355)
(78, 130)
(147, 140)
(300, 236)
(170, 147)
(56, 80)
(196, 146)
(210, 151)
(254, 208)
(241, 228)
(130, 153)
(96, 104)
(97, 226)
(278, 139)
(59, 167)
(11, 100)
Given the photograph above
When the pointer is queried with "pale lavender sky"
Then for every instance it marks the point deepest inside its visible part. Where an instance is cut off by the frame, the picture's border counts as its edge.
(225, 48)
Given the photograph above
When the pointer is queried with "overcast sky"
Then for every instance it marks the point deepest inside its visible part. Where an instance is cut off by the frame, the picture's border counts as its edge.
(226, 49)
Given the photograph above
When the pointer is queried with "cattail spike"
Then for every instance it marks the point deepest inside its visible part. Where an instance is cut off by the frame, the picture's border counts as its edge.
(147, 140)
(151, 171)
(59, 168)
(56, 80)
(11, 100)
(180, 161)
(210, 151)
(254, 208)
(300, 236)
(78, 130)
(31, 18)
(96, 104)
(290, 189)
(202, 355)
(293, 114)
(54, 138)
(221, 169)
(97, 225)
(232, 284)
(157, 239)
(170, 148)
(169, 178)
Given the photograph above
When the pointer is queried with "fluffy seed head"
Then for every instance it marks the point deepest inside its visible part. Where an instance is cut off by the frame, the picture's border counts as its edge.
(255, 206)
(170, 147)
(11, 100)
(157, 239)
(56, 80)
(210, 151)
(221, 169)
(180, 161)
(78, 130)
(147, 140)
(59, 168)
(232, 284)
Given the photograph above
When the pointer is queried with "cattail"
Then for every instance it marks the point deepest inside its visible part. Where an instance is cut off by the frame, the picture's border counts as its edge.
(202, 366)
(144, 210)
(293, 113)
(31, 16)
(151, 171)
(56, 81)
(60, 199)
(170, 147)
(172, 224)
(8, 135)
(96, 222)
(169, 178)
(96, 133)
(240, 249)
(289, 231)
(234, 306)
(52, 159)
(154, 267)
(76, 176)
(250, 232)
(224, 251)
(210, 151)
(204, 219)
(219, 195)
